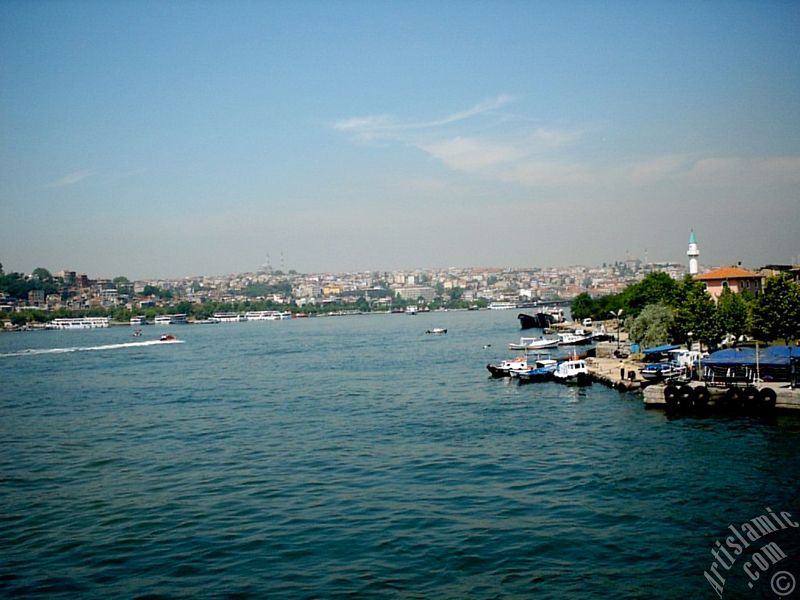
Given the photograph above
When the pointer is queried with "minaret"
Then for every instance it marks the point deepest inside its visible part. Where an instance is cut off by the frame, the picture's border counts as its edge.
(693, 253)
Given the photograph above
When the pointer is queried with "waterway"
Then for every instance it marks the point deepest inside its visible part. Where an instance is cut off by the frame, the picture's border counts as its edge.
(359, 457)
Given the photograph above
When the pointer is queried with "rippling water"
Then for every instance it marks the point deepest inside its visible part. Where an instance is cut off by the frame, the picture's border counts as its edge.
(359, 457)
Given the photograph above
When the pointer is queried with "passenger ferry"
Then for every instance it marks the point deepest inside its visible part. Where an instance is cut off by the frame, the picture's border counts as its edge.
(178, 319)
(502, 305)
(80, 323)
(267, 315)
(138, 321)
(228, 317)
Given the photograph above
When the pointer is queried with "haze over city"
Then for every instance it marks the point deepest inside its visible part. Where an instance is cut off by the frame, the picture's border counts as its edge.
(158, 140)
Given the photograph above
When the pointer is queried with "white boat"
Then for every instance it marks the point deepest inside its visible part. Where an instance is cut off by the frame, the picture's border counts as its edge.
(572, 371)
(267, 315)
(79, 323)
(574, 338)
(519, 363)
(534, 343)
(502, 305)
(437, 331)
(411, 310)
(138, 321)
(176, 319)
(227, 317)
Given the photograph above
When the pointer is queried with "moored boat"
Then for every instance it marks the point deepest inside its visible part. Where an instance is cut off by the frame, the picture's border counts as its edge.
(542, 370)
(538, 321)
(574, 338)
(519, 363)
(572, 371)
(534, 343)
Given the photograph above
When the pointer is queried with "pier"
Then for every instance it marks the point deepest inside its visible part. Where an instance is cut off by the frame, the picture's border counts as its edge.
(718, 398)
(606, 371)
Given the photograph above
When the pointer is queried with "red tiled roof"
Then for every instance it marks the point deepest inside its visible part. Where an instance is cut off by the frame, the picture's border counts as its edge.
(729, 273)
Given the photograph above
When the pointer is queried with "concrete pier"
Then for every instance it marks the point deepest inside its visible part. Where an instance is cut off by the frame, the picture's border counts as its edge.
(607, 372)
(786, 398)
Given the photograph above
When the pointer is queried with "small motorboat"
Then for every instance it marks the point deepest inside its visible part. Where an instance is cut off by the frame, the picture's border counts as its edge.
(534, 343)
(436, 331)
(661, 371)
(168, 338)
(542, 370)
(137, 333)
(572, 371)
(504, 369)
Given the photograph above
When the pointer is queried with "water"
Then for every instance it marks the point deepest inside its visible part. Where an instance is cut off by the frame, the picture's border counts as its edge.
(359, 457)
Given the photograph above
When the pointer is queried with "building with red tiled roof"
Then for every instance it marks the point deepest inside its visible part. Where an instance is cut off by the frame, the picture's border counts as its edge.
(735, 278)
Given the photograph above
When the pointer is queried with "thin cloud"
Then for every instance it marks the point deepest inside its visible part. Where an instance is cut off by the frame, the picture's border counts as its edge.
(69, 179)
(372, 126)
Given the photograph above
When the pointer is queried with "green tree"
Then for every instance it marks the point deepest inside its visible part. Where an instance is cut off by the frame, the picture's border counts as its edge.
(732, 314)
(695, 313)
(582, 306)
(652, 326)
(776, 311)
(42, 274)
(655, 288)
(122, 284)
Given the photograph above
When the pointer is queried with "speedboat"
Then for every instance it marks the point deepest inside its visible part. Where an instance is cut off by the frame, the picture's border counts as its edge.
(534, 343)
(437, 331)
(137, 333)
(168, 338)
(572, 371)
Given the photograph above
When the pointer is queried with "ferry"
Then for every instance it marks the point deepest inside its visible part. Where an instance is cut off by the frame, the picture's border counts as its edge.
(138, 321)
(267, 315)
(79, 323)
(502, 305)
(177, 319)
(228, 317)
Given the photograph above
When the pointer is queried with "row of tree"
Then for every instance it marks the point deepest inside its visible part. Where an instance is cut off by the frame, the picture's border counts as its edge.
(659, 310)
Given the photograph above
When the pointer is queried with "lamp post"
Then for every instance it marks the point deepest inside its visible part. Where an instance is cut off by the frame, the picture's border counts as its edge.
(616, 314)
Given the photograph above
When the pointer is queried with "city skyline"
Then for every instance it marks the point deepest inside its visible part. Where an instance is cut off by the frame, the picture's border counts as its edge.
(152, 140)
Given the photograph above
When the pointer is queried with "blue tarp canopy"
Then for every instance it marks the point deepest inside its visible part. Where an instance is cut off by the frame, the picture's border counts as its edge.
(773, 356)
(660, 349)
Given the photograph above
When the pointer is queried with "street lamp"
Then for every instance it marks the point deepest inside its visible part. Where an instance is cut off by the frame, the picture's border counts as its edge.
(616, 314)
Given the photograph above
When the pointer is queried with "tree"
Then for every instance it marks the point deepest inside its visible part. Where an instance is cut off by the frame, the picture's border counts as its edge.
(652, 326)
(655, 288)
(42, 274)
(695, 313)
(776, 311)
(732, 314)
(122, 283)
(582, 306)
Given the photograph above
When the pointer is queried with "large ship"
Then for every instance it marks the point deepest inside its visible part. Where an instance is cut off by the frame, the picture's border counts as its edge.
(79, 323)
(177, 319)
(267, 315)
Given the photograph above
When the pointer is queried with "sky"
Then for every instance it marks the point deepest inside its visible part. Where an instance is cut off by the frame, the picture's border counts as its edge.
(169, 139)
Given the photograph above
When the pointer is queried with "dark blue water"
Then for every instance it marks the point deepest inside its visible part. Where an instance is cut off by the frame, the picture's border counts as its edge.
(359, 457)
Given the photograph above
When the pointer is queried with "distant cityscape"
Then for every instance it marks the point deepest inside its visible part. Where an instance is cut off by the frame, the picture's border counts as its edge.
(75, 291)
(42, 295)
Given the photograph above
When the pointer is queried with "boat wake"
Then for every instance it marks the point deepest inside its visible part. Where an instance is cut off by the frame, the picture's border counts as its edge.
(36, 351)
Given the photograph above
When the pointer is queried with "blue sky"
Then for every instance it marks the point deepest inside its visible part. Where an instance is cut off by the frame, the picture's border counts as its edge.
(170, 139)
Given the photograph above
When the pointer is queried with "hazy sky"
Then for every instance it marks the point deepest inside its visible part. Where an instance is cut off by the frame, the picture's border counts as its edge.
(178, 138)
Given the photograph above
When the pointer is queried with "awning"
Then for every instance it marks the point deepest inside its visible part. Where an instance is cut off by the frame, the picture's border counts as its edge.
(660, 349)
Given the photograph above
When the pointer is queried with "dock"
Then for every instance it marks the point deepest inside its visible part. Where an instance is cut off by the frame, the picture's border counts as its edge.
(720, 398)
(606, 371)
